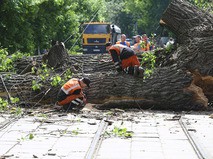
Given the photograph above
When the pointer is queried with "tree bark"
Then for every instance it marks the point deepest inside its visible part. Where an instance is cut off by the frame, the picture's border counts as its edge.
(194, 31)
(57, 56)
(184, 83)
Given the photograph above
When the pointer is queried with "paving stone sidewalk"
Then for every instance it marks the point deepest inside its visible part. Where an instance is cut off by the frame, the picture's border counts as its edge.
(155, 135)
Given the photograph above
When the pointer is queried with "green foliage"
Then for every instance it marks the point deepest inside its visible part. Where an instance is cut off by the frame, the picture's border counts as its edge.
(31, 136)
(152, 39)
(113, 10)
(36, 86)
(3, 104)
(137, 16)
(19, 55)
(17, 27)
(62, 132)
(169, 48)
(56, 20)
(67, 75)
(75, 50)
(203, 4)
(28, 137)
(143, 44)
(42, 115)
(148, 62)
(33, 70)
(5, 62)
(16, 110)
(56, 80)
(43, 72)
(75, 132)
(14, 100)
(38, 22)
(48, 75)
(121, 132)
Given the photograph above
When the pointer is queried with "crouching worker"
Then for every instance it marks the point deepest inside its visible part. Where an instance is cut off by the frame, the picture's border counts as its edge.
(125, 59)
(71, 95)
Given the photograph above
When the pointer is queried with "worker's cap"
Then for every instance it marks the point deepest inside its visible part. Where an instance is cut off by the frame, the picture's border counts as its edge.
(138, 36)
(108, 44)
(86, 81)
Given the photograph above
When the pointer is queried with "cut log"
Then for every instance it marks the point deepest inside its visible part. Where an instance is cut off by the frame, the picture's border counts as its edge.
(185, 83)
(57, 56)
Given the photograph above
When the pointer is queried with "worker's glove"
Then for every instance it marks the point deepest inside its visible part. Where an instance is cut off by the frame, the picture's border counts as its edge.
(138, 71)
(84, 95)
(84, 101)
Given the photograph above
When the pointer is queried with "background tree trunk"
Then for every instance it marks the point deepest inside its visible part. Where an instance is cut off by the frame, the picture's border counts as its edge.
(185, 83)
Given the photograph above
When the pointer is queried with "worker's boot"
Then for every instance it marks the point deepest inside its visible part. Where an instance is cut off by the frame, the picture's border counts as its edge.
(78, 108)
(67, 107)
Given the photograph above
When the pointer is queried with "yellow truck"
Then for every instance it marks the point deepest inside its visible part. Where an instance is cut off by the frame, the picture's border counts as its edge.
(97, 34)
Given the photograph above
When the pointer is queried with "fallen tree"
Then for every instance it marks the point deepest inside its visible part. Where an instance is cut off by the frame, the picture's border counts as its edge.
(184, 83)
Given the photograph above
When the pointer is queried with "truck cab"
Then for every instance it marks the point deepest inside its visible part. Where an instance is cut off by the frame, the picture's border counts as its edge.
(97, 34)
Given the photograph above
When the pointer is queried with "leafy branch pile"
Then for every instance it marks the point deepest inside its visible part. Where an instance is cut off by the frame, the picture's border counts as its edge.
(11, 106)
(48, 75)
(44, 75)
(148, 63)
(6, 62)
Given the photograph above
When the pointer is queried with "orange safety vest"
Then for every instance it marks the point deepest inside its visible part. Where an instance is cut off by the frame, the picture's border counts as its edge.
(125, 43)
(71, 86)
(126, 54)
(117, 47)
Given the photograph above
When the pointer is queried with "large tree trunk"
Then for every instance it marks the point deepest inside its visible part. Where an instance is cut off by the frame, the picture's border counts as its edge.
(194, 31)
(184, 83)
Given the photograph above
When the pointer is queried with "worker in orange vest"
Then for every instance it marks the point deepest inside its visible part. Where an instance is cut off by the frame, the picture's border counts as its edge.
(124, 59)
(123, 41)
(137, 46)
(71, 95)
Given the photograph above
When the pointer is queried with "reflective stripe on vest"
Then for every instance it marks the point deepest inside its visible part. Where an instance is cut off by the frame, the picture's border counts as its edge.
(79, 100)
(74, 102)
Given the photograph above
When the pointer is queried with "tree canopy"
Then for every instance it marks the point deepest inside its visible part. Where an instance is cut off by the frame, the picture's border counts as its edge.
(30, 25)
